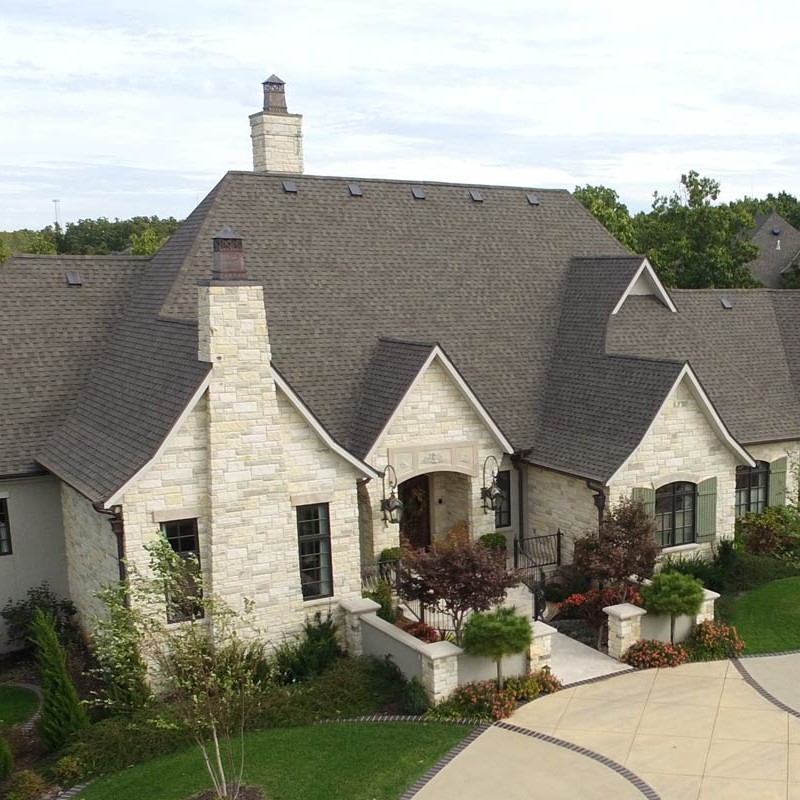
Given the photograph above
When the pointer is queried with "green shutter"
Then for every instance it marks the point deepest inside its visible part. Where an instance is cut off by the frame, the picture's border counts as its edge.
(647, 497)
(707, 510)
(777, 482)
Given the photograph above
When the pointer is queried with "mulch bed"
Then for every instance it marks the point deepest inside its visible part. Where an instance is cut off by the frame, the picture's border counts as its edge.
(577, 629)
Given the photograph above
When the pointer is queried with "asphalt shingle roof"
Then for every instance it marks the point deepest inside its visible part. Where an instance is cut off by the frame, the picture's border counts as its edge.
(771, 262)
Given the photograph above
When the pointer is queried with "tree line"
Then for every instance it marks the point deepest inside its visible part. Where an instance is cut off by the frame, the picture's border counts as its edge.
(138, 236)
(692, 241)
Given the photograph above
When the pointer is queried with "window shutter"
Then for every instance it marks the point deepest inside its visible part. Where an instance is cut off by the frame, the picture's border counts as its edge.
(707, 510)
(777, 482)
(647, 497)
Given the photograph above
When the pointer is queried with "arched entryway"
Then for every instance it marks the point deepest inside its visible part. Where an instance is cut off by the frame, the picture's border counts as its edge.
(433, 504)
(415, 521)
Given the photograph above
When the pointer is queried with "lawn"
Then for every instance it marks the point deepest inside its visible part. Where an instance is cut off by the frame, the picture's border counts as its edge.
(768, 618)
(370, 761)
(16, 705)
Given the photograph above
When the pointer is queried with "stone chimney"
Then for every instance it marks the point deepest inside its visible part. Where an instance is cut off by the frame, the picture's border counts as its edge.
(277, 135)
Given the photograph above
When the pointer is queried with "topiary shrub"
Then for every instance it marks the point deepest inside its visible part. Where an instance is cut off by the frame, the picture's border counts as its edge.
(6, 759)
(496, 634)
(390, 554)
(25, 785)
(649, 653)
(63, 714)
(494, 541)
(713, 641)
(672, 593)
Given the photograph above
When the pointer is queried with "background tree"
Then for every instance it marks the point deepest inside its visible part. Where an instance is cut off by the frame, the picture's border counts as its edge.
(457, 576)
(497, 634)
(673, 593)
(604, 204)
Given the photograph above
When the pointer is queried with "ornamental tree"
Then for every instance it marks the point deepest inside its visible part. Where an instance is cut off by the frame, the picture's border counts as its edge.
(500, 633)
(673, 593)
(457, 576)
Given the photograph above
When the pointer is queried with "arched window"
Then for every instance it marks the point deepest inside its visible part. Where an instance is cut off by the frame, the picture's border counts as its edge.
(676, 515)
(752, 486)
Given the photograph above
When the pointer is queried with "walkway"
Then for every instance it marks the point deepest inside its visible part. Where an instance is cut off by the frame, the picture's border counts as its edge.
(776, 675)
(573, 661)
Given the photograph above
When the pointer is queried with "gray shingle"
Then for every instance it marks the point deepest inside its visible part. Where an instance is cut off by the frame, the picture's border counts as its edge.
(771, 262)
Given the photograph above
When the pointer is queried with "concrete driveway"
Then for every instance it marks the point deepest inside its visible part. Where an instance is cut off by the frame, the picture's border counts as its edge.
(696, 731)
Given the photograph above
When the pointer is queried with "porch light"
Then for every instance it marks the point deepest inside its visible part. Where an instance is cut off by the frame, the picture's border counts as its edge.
(391, 506)
(491, 494)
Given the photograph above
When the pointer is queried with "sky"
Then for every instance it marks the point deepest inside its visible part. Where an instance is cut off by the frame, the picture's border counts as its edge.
(118, 108)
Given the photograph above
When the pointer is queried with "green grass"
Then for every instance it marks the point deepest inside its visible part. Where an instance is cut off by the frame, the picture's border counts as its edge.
(370, 761)
(16, 705)
(768, 618)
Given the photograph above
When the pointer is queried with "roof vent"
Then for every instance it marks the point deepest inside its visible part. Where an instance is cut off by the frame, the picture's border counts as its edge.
(74, 279)
(476, 196)
(355, 190)
(778, 245)
(776, 231)
(418, 192)
(533, 199)
(726, 304)
(290, 187)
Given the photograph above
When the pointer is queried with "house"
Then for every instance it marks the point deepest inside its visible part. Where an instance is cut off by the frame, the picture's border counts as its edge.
(305, 350)
(778, 245)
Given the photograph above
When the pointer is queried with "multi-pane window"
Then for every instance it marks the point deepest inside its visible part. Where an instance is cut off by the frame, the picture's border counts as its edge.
(314, 547)
(502, 510)
(5, 529)
(185, 602)
(676, 513)
(751, 488)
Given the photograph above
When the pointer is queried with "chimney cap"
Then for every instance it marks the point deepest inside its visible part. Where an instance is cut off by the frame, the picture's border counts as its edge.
(227, 233)
(274, 79)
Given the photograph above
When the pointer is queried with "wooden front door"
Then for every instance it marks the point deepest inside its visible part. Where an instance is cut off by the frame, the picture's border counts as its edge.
(415, 523)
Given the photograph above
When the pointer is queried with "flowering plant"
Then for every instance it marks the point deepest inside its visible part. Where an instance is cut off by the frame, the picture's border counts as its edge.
(649, 653)
(711, 641)
(419, 630)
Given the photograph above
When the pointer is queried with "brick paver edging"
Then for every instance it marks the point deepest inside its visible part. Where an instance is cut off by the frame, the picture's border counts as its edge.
(623, 772)
(27, 727)
(768, 655)
(754, 684)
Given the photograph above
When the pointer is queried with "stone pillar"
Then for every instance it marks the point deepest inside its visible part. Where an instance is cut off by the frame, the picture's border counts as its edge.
(440, 670)
(706, 613)
(624, 628)
(277, 135)
(541, 648)
(353, 611)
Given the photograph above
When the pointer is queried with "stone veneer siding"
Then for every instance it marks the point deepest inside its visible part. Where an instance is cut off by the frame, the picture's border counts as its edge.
(91, 549)
(772, 452)
(682, 446)
(436, 412)
(277, 142)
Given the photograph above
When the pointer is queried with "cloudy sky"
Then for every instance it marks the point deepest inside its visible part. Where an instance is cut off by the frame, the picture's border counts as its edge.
(119, 108)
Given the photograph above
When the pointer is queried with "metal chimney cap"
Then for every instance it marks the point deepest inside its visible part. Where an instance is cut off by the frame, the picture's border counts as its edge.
(227, 233)
(274, 79)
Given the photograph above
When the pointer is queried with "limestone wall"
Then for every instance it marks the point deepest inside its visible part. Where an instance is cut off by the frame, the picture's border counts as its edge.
(277, 142)
(775, 450)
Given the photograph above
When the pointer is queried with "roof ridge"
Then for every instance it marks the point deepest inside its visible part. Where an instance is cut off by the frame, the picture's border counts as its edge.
(415, 343)
(81, 257)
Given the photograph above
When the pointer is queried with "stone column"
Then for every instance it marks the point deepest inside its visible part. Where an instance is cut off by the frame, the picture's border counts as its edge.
(440, 670)
(706, 613)
(353, 611)
(541, 647)
(624, 628)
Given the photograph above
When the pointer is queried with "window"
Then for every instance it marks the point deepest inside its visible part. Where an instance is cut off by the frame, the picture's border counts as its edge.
(5, 529)
(675, 514)
(314, 546)
(752, 484)
(182, 535)
(502, 513)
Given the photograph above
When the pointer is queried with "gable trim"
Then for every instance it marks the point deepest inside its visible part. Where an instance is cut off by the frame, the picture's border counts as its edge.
(116, 498)
(310, 418)
(660, 291)
(706, 406)
(464, 388)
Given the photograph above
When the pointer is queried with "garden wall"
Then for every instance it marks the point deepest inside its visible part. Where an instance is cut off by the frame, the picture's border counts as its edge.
(657, 627)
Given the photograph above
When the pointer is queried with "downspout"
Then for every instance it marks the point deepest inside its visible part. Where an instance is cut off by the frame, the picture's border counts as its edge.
(118, 529)
(517, 459)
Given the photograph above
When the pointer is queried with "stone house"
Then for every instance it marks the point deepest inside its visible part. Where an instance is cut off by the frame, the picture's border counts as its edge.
(305, 348)
(778, 244)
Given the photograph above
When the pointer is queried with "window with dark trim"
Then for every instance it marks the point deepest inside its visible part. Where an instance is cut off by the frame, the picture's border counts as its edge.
(182, 535)
(314, 548)
(676, 514)
(502, 512)
(5, 529)
(752, 488)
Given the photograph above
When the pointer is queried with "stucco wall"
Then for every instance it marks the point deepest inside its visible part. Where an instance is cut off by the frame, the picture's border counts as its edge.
(37, 542)
(682, 446)
(775, 450)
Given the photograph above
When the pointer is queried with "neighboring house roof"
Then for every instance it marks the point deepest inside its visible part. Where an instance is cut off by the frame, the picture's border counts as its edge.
(51, 338)
(771, 262)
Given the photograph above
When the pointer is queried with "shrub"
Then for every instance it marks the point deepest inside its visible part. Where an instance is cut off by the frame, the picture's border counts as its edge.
(673, 593)
(532, 686)
(481, 700)
(712, 641)
(382, 594)
(589, 606)
(415, 700)
(316, 650)
(496, 634)
(25, 785)
(6, 758)
(773, 532)
(390, 554)
(419, 630)
(18, 616)
(648, 653)
(494, 541)
(62, 712)
(68, 771)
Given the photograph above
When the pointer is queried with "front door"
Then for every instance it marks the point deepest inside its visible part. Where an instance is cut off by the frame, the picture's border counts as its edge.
(415, 523)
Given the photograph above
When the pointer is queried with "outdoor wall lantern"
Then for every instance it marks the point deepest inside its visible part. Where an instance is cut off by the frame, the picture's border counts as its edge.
(491, 494)
(391, 506)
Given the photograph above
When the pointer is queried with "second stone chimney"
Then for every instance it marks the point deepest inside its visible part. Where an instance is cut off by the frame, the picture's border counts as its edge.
(277, 135)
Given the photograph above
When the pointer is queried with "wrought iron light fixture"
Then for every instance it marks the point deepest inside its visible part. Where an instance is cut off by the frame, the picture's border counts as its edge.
(391, 506)
(491, 493)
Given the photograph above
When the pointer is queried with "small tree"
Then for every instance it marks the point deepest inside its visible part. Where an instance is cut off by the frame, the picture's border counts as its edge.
(457, 576)
(625, 545)
(500, 633)
(63, 714)
(673, 593)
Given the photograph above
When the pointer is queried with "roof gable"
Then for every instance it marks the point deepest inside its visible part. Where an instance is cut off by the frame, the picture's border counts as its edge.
(645, 282)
